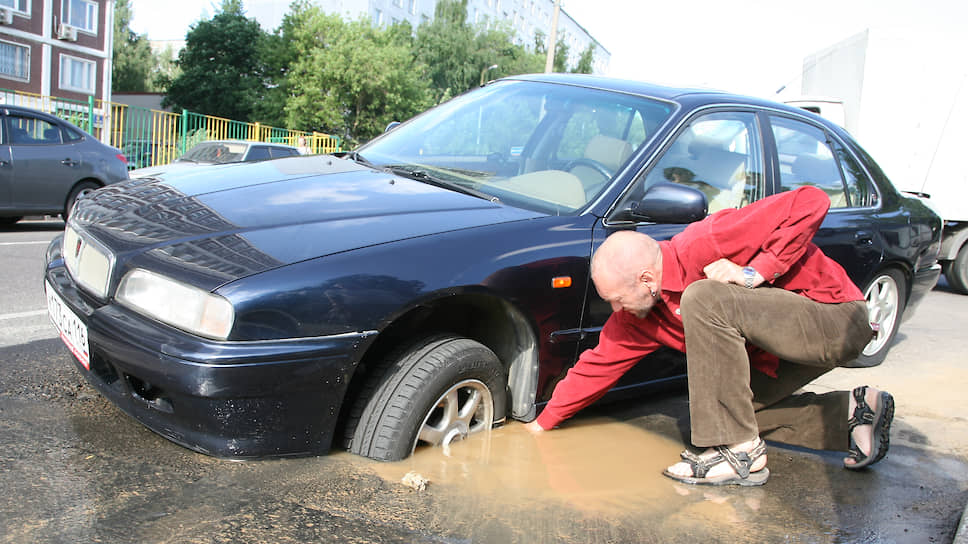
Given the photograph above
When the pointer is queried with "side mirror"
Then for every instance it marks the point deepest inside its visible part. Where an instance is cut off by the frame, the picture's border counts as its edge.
(666, 202)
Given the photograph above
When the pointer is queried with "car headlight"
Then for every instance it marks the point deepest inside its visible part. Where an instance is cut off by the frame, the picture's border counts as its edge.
(179, 305)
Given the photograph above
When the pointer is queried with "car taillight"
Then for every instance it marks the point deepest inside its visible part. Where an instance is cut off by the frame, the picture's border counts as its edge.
(122, 158)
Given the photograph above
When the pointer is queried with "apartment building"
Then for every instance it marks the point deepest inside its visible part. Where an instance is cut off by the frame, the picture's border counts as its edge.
(57, 47)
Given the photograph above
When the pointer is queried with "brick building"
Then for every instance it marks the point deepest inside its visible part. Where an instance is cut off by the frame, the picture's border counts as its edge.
(57, 47)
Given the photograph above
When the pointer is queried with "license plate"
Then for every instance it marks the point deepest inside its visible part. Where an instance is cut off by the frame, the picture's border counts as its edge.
(72, 330)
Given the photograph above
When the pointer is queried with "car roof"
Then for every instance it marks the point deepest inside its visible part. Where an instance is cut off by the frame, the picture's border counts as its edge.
(24, 109)
(247, 142)
(685, 95)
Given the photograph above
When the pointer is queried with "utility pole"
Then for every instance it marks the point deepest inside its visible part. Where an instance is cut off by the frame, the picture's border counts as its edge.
(552, 39)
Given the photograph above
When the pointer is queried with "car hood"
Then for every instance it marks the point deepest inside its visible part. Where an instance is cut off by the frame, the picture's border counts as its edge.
(210, 226)
(166, 168)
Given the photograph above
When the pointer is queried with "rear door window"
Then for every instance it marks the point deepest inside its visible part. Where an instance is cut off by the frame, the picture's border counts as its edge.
(806, 157)
(26, 130)
(258, 153)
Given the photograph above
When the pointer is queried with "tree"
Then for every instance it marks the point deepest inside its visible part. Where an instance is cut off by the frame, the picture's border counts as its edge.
(584, 65)
(221, 65)
(350, 79)
(458, 55)
(133, 60)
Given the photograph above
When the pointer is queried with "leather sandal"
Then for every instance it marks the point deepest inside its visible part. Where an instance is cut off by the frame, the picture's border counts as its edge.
(740, 461)
(880, 422)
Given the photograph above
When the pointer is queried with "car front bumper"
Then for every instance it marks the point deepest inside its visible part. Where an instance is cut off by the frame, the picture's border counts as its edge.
(227, 399)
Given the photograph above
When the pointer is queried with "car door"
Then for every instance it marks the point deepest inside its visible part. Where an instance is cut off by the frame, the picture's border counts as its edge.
(720, 153)
(43, 167)
(6, 168)
(852, 232)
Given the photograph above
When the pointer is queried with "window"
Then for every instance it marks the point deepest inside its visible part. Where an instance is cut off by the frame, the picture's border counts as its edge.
(806, 158)
(32, 131)
(14, 61)
(20, 6)
(378, 17)
(80, 14)
(860, 190)
(398, 3)
(258, 153)
(77, 74)
(277, 152)
(413, 7)
(720, 155)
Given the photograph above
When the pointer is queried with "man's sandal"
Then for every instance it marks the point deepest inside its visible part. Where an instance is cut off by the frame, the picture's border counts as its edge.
(880, 422)
(740, 461)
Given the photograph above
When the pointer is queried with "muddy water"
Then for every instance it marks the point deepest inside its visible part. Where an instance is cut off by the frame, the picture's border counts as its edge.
(599, 466)
(597, 475)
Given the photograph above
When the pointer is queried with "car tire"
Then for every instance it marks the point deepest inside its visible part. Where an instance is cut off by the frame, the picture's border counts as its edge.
(9, 221)
(956, 271)
(80, 190)
(435, 392)
(886, 296)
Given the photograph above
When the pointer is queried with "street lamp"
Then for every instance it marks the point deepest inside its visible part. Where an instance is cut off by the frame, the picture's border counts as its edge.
(485, 71)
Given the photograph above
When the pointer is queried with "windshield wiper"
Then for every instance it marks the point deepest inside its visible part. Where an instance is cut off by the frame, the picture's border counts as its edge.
(419, 174)
(357, 158)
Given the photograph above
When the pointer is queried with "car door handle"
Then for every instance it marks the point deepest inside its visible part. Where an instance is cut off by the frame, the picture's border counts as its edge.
(70, 162)
(4, 163)
(863, 238)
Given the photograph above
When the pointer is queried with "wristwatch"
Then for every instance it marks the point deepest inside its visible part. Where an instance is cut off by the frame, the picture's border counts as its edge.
(749, 274)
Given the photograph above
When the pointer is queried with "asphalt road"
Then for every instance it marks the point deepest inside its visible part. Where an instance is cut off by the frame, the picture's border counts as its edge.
(73, 468)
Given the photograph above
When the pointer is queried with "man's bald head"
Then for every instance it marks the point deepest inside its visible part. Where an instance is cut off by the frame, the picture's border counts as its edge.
(627, 272)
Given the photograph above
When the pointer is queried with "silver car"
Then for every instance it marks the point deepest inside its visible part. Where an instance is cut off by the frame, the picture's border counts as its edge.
(219, 152)
(47, 163)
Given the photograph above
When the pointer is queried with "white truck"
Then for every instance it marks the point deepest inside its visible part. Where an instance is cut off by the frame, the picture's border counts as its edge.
(903, 93)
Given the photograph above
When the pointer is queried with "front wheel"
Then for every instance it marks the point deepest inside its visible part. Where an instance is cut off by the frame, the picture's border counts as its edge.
(434, 393)
(886, 296)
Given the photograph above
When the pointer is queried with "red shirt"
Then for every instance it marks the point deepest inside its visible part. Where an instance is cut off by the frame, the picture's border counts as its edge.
(772, 235)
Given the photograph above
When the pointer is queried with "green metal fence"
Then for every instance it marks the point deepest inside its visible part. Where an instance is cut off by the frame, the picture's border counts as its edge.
(149, 137)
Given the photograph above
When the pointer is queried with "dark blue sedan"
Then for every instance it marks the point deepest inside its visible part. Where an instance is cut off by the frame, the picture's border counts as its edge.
(435, 281)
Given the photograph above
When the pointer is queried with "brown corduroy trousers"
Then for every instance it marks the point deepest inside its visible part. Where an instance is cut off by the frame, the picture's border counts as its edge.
(728, 403)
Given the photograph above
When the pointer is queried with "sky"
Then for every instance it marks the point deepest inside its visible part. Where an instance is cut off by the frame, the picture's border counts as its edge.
(745, 46)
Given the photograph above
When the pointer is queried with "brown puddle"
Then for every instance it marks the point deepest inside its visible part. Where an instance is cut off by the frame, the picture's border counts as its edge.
(597, 466)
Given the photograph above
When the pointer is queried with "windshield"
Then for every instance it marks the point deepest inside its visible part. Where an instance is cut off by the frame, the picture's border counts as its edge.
(216, 152)
(546, 147)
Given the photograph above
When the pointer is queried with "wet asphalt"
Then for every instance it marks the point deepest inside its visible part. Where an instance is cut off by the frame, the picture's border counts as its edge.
(73, 468)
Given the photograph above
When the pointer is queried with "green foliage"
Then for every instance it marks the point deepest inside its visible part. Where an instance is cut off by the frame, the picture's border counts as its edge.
(132, 57)
(458, 56)
(349, 78)
(222, 73)
(318, 72)
(584, 65)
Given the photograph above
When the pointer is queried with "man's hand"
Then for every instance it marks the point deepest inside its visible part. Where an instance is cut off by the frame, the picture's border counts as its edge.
(534, 428)
(727, 271)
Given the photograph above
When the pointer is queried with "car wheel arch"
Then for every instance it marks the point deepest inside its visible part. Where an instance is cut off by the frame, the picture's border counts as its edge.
(901, 275)
(76, 190)
(483, 317)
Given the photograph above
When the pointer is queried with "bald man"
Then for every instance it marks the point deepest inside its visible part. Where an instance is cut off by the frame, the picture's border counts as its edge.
(759, 311)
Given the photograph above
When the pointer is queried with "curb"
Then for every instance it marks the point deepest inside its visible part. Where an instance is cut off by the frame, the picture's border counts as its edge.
(961, 536)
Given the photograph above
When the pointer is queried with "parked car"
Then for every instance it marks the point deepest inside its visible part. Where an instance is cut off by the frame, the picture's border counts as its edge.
(435, 281)
(220, 152)
(47, 163)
